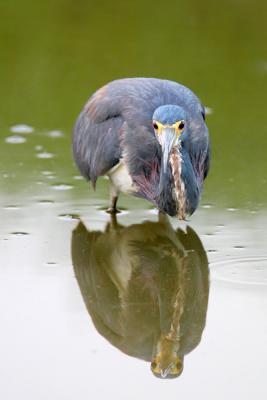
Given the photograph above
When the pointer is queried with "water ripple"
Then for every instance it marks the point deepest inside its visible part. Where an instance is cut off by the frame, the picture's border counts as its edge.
(241, 270)
(62, 186)
(21, 128)
(45, 155)
(15, 139)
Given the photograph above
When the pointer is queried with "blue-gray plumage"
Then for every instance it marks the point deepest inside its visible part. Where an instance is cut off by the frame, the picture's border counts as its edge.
(169, 114)
(149, 136)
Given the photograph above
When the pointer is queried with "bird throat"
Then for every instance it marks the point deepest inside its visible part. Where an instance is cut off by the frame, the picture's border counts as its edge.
(179, 187)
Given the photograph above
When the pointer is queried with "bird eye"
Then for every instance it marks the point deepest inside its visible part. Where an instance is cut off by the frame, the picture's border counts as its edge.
(155, 126)
(181, 126)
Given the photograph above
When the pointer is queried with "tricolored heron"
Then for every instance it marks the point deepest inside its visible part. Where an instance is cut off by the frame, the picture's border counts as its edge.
(150, 138)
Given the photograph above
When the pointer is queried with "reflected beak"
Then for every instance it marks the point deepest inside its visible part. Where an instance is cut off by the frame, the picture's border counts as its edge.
(167, 140)
(164, 372)
(173, 370)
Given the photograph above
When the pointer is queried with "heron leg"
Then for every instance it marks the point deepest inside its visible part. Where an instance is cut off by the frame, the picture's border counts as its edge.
(113, 206)
(114, 194)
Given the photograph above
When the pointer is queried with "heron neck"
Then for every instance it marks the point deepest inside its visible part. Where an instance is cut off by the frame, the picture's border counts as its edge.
(179, 187)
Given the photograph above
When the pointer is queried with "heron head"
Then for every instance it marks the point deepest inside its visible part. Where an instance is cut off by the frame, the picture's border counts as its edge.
(166, 364)
(169, 123)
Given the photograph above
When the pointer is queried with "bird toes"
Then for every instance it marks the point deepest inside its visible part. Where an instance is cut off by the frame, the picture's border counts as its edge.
(112, 210)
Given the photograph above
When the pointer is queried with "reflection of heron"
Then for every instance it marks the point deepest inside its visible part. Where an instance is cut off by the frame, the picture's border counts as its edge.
(149, 136)
(146, 288)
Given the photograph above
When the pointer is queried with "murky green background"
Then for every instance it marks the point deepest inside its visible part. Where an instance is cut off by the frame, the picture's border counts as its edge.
(53, 55)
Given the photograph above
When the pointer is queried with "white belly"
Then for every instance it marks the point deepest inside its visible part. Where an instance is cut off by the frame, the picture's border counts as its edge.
(120, 178)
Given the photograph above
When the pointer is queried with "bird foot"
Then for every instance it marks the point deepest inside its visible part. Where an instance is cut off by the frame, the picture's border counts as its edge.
(112, 210)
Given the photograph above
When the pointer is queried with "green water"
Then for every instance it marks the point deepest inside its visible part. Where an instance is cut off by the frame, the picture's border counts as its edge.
(53, 56)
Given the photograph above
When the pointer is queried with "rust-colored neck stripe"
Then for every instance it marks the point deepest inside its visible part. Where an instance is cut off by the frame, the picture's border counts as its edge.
(179, 188)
